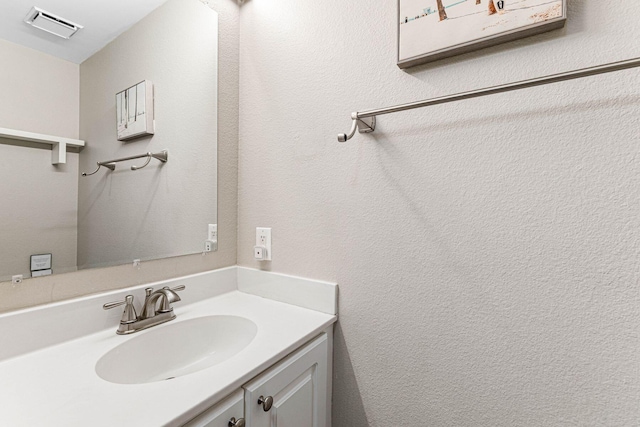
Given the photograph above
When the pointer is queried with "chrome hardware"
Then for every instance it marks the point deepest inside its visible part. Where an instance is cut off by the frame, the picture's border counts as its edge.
(135, 168)
(236, 423)
(151, 315)
(165, 295)
(363, 125)
(129, 313)
(111, 166)
(343, 137)
(366, 127)
(115, 304)
(266, 402)
(144, 313)
(162, 156)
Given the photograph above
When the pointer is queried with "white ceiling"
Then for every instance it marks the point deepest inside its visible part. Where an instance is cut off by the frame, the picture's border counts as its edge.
(103, 21)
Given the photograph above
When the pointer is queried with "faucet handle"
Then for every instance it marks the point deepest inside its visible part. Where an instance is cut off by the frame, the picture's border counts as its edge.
(129, 314)
(115, 304)
(170, 296)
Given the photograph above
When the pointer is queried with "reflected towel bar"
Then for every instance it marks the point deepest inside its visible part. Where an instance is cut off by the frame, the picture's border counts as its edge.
(163, 156)
(365, 122)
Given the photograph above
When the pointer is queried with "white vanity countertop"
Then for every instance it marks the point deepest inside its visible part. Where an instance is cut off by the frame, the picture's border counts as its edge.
(58, 385)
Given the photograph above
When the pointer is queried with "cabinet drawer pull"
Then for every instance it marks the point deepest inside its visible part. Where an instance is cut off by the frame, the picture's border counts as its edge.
(266, 402)
(236, 423)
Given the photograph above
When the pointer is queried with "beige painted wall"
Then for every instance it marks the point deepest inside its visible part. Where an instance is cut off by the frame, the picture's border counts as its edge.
(487, 251)
(161, 210)
(64, 286)
(40, 93)
(39, 207)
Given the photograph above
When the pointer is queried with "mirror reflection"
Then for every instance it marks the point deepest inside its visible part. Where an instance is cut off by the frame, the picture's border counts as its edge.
(114, 216)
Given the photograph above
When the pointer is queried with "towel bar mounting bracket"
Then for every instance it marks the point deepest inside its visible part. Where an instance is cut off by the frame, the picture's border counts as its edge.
(365, 125)
(362, 124)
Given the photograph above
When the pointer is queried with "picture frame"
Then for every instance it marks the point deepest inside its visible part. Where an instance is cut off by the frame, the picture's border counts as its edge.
(430, 30)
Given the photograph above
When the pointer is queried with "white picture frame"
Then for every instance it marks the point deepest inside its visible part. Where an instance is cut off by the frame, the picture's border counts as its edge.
(429, 30)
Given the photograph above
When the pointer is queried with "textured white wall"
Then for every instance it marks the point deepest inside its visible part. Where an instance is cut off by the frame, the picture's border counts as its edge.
(64, 286)
(38, 201)
(488, 252)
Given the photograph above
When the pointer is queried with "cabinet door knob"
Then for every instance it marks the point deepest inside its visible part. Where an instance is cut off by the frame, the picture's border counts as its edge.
(266, 402)
(236, 423)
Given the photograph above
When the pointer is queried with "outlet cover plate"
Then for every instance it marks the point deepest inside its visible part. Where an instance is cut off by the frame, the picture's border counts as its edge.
(263, 238)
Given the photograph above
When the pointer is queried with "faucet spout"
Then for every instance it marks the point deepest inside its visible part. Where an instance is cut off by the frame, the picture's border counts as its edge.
(165, 296)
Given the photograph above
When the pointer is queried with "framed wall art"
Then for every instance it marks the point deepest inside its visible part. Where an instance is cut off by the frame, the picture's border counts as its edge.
(429, 30)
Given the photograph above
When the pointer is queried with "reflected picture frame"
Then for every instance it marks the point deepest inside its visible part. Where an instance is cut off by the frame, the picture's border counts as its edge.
(430, 30)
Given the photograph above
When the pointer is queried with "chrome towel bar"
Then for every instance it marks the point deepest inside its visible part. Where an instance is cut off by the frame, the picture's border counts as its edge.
(365, 121)
(163, 156)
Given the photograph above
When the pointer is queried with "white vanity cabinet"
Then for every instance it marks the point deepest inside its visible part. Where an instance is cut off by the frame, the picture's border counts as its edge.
(294, 392)
(222, 414)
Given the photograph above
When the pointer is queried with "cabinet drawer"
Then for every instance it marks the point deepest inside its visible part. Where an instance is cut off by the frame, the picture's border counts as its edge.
(293, 393)
(220, 414)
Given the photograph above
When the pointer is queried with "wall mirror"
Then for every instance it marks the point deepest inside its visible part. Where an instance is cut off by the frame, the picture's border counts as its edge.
(69, 90)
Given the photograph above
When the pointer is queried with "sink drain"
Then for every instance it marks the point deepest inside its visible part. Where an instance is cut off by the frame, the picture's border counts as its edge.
(170, 378)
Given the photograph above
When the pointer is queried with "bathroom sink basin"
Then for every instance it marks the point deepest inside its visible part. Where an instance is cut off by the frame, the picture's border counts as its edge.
(176, 349)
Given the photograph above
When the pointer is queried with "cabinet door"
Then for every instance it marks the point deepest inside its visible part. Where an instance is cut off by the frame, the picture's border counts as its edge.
(220, 414)
(298, 387)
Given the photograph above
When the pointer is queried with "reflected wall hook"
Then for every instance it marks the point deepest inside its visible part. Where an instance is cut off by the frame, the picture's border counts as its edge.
(111, 166)
(135, 168)
(163, 156)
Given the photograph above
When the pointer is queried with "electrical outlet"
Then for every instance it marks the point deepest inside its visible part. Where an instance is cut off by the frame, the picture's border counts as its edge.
(263, 240)
(208, 246)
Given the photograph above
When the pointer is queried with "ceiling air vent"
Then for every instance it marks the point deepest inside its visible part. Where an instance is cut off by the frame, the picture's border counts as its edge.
(51, 23)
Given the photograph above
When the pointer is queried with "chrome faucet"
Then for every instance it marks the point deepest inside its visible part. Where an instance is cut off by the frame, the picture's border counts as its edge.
(156, 309)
